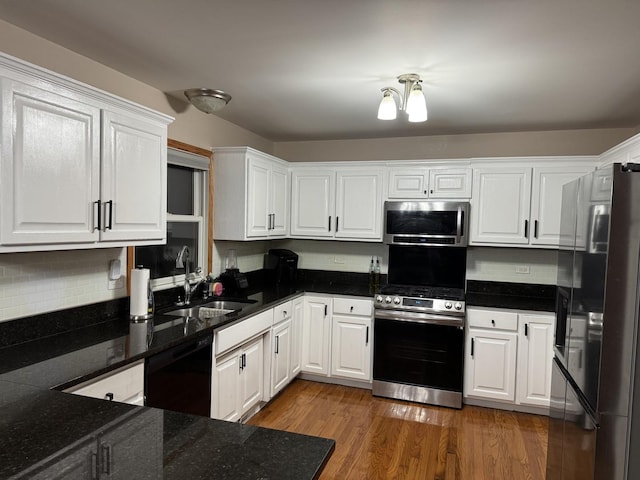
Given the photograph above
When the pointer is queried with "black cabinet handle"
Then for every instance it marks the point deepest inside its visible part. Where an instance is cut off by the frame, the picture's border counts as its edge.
(110, 203)
(493, 322)
(526, 229)
(244, 360)
(96, 205)
(277, 344)
(535, 229)
(337, 222)
(351, 308)
(472, 345)
(329, 228)
(366, 341)
(325, 310)
(526, 329)
(94, 466)
(109, 396)
(106, 459)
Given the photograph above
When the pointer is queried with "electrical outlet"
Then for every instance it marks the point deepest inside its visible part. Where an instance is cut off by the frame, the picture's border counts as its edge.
(522, 269)
(338, 259)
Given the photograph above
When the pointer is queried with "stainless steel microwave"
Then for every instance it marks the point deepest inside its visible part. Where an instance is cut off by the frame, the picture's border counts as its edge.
(426, 223)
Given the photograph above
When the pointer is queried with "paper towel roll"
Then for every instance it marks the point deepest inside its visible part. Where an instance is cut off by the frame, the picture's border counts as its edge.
(139, 302)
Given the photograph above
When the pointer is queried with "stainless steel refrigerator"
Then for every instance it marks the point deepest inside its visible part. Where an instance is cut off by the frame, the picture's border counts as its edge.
(594, 427)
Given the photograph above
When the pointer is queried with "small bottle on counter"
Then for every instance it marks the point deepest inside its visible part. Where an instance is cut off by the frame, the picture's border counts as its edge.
(372, 288)
(376, 275)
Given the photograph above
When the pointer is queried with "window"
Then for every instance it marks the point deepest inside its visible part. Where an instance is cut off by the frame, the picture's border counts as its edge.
(187, 187)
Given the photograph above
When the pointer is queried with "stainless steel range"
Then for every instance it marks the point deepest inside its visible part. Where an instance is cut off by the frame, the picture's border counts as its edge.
(419, 344)
(418, 348)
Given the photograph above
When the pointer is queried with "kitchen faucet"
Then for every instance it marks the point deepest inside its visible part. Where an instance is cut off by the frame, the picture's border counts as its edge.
(182, 261)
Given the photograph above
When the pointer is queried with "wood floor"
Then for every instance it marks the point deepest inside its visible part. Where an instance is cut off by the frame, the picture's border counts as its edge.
(379, 438)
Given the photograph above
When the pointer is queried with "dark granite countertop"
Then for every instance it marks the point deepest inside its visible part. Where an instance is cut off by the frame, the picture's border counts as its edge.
(517, 296)
(41, 426)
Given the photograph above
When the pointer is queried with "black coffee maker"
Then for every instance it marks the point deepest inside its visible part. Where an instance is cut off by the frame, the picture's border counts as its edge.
(281, 267)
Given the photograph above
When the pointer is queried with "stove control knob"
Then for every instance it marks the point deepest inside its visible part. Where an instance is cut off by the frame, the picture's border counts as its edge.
(379, 298)
(448, 305)
(387, 300)
(458, 306)
(397, 300)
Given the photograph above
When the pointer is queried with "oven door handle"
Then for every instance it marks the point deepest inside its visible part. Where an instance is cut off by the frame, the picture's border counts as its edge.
(415, 317)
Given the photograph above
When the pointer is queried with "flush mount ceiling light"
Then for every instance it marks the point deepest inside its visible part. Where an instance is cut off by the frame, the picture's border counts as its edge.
(412, 100)
(206, 99)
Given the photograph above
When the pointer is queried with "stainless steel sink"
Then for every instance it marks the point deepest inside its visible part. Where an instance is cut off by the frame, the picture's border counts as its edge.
(211, 309)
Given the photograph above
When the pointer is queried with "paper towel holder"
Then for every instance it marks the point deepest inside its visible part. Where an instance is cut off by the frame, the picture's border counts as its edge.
(148, 299)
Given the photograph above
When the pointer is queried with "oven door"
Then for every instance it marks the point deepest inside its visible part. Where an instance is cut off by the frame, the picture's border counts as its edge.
(418, 360)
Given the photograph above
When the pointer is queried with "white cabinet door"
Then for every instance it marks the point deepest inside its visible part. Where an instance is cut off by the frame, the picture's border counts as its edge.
(225, 396)
(281, 358)
(408, 183)
(134, 178)
(450, 183)
(252, 374)
(351, 347)
(312, 203)
(257, 197)
(500, 205)
(296, 336)
(279, 201)
(535, 357)
(50, 167)
(359, 204)
(490, 369)
(546, 199)
(316, 331)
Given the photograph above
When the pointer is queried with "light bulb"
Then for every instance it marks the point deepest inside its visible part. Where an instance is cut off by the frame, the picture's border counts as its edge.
(416, 105)
(387, 109)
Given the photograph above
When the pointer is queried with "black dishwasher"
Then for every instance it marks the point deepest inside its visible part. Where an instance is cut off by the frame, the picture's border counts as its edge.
(179, 379)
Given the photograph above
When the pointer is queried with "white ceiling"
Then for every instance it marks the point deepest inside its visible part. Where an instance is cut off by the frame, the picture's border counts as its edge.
(304, 69)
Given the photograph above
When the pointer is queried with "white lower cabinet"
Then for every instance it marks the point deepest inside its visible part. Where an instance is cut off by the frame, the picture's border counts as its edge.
(351, 339)
(238, 381)
(508, 356)
(124, 385)
(337, 337)
(316, 335)
(296, 335)
(535, 358)
(281, 347)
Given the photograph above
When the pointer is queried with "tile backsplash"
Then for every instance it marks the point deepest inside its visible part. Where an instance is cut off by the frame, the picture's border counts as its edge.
(38, 282)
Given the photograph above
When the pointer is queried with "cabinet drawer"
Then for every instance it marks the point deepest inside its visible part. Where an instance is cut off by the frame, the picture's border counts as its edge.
(238, 333)
(282, 312)
(126, 385)
(348, 306)
(493, 319)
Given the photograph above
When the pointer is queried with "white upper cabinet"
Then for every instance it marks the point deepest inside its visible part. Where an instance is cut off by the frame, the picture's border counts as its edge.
(50, 167)
(312, 203)
(251, 195)
(341, 203)
(134, 178)
(79, 168)
(500, 205)
(520, 205)
(423, 182)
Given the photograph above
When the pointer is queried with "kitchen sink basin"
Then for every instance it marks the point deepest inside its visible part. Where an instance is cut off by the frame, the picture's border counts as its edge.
(209, 310)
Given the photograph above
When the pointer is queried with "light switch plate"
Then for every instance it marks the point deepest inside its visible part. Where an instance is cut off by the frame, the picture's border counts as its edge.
(116, 284)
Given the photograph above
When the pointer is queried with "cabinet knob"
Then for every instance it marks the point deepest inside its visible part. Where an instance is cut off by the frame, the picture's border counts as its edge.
(284, 313)
(493, 322)
(351, 309)
(109, 396)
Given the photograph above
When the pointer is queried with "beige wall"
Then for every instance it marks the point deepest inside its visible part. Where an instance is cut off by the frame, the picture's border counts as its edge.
(190, 125)
(561, 142)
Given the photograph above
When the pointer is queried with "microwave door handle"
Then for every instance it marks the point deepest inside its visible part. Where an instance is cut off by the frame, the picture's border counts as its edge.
(459, 225)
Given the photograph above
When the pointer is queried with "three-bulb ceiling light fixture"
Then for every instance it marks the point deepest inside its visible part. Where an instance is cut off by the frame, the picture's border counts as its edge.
(412, 100)
(206, 99)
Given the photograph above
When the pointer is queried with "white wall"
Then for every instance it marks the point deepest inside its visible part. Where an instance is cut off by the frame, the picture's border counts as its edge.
(39, 282)
(499, 264)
